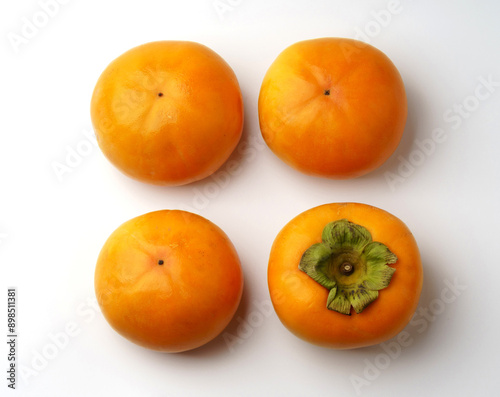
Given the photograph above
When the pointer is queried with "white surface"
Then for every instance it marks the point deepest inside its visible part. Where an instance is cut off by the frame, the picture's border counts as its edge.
(51, 231)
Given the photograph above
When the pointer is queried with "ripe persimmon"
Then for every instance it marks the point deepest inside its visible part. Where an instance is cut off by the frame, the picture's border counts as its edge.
(345, 275)
(168, 280)
(167, 112)
(332, 107)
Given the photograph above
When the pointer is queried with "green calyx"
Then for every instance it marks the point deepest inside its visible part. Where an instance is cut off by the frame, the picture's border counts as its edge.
(350, 264)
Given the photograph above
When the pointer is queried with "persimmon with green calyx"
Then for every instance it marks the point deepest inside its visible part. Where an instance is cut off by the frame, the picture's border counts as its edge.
(345, 275)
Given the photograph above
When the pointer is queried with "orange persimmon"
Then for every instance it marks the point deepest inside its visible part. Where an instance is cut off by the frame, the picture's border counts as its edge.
(168, 280)
(332, 107)
(167, 112)
(345, 275)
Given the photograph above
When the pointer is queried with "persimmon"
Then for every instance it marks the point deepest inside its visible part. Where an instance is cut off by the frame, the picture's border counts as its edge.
(345, 275)
(332, 107)
(168, 280)
(167, 112)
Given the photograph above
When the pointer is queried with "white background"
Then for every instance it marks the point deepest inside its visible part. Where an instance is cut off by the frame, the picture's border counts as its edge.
(51, 229)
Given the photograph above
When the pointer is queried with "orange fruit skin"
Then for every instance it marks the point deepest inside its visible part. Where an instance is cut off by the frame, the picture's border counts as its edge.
(300, 302)
(179, 305)
(345, 134)
(167, 112)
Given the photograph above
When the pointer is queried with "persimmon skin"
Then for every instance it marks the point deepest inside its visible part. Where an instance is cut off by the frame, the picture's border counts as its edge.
(300, 302)
(167, 112)
(168, 280)
(332, 107)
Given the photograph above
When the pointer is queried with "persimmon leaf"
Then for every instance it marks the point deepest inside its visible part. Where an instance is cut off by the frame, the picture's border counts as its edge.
(360, 298)
(312, 263)
(343, 234)
(339, 303)
(378, 274)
